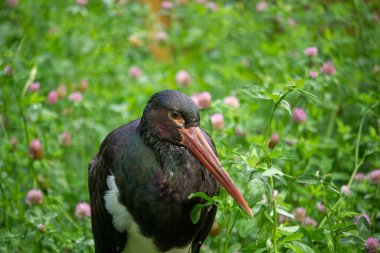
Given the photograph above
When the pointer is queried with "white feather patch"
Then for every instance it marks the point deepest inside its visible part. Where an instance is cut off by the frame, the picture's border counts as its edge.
(123, 221)
(120, 215)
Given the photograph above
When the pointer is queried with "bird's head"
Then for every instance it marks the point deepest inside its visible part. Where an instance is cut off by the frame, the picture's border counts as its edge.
(171, 116)
(168, 112)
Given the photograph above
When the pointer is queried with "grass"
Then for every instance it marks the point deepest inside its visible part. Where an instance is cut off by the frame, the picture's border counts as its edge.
(246, 49)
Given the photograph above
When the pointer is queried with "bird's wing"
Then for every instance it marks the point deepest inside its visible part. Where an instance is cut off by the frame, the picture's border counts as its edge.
(210, 215)
(107, 238)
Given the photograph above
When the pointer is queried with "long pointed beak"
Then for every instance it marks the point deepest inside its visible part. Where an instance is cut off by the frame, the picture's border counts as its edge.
(193, 139)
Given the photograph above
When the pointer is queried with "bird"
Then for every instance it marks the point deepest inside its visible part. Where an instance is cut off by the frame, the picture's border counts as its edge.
(141, 178)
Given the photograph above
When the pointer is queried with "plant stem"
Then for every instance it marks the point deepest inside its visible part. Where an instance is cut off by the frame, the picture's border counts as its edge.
(230, 228)
(357, 151)
(375, 208)
(269, 165)
(275, 219)
(327, 215)
(228, 233)
(330, 126)
(274, 107)
(357, 165)
(5, 108)
(25, 123)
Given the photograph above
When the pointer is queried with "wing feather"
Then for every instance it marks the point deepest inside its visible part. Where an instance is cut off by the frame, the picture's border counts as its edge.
(107, 238)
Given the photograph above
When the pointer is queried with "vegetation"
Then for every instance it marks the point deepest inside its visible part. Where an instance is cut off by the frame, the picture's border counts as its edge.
(290, 97)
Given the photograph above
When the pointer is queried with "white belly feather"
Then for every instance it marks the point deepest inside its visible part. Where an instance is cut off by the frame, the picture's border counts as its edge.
(123, 221)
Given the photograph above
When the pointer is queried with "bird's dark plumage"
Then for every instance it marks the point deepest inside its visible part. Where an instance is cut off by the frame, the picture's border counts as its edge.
(154, 174)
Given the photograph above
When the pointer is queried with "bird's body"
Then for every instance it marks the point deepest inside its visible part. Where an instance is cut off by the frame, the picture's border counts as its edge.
(141, 179)
(161, 209)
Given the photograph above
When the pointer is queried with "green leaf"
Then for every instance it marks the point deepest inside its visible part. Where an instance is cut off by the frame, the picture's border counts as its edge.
(303, 247)
(255, 92)
(330, 242)
(6, 235)
(292, 237)
(195, 213)
(202, 195)
(281, 179)
(338, 226)
(285, 105)
(275, 96)
(310, 96)
(261, 250)
(348, 214)
(308, 179)
(31, 78)
(271, 172)
(285, 213)
(351, 241)
(363, 227)
(293, 248)
(49, 216)
(267, 215)
(255, 154)
(256, 190)
(334, 189)
(247, 227)
(288, 230)
(292, 86)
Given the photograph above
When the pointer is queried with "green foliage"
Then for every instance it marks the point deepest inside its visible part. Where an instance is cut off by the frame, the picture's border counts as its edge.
(255, 53)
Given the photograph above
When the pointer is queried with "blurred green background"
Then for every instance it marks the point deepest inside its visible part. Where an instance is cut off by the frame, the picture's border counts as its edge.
(223, 46)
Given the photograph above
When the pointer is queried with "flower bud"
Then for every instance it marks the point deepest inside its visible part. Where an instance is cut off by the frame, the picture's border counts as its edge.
(83, 85)
(35, 150)
(8, 70)
(65, 139)
(345, 190)
(83, 210)
(52, 97)
(328, 68)
(62, 91)
(299, 115)
(34, 87)
(183, 78)
(41, 228)
(374, 176)
(75, 97)
(232, 101)
(135, 72)
(360, 177)
(310, 222)
(274, 139)
(299, 214)
(313, 74)
(202, 100)
(34, 197)
(311, 51)
(217, 121)
(372, 245)
(215, 229)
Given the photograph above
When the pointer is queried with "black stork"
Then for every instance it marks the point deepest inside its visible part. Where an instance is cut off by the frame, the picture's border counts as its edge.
(143, 174)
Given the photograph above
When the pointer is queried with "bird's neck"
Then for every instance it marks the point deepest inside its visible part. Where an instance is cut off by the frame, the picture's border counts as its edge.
(149, 138)
(159, 146)
(170, 155)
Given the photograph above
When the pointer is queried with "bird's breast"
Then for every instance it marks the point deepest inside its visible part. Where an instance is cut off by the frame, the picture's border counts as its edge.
(182, 174)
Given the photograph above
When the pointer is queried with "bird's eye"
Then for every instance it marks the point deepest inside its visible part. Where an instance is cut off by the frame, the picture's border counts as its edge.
(177, 118)
(175, 115)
